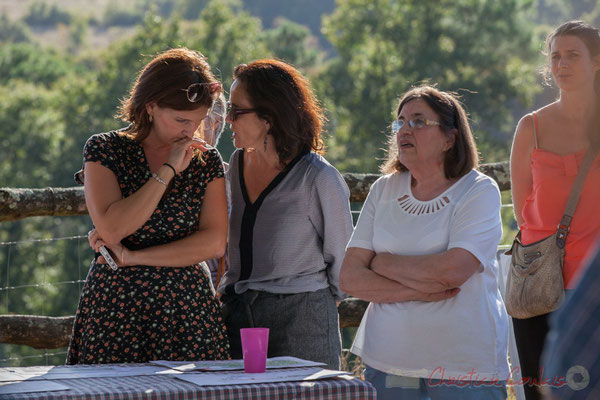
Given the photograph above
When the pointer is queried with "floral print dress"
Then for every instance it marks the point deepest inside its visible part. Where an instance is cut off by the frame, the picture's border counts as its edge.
(143, 313)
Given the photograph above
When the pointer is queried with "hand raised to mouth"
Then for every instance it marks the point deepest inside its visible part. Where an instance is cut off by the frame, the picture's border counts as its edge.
(202, 144)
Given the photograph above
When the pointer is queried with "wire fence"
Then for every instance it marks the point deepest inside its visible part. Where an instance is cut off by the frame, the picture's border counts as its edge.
(30, 284)
(40, 277)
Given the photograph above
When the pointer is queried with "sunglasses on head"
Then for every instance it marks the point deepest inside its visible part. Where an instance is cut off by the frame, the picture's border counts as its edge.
(196, 90)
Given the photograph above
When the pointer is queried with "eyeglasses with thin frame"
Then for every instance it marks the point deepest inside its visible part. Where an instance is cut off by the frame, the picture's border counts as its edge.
(416, 123)
(234, 112)
(196, 90)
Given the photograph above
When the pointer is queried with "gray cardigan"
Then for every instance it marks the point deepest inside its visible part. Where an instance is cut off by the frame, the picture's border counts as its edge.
(293, 237)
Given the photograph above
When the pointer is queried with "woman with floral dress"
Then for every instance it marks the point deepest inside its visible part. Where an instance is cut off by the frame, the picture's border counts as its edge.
(158, 205)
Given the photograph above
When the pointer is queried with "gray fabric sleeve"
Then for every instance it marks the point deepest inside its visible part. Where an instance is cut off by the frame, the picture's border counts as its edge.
(330, 214)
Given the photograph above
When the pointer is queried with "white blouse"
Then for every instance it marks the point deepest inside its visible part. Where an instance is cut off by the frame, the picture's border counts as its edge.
(463, 337)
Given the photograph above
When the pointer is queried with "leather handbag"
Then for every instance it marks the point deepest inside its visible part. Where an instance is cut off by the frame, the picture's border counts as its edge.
(535, 281)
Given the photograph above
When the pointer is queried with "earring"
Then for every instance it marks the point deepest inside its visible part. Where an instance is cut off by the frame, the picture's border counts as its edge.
(150, 118)
(266, 141)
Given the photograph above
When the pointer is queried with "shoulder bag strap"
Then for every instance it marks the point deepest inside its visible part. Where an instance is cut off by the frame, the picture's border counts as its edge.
(563, 227)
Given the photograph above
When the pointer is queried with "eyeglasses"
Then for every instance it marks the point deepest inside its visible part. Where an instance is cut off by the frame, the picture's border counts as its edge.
(196, 90)
(234, 112)
(416, 123)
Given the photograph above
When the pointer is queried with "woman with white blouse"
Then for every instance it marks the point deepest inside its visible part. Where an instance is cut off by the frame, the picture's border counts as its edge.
(423, 253)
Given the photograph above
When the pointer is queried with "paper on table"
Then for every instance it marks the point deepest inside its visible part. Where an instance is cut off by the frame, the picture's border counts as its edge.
(240, 378)
(231, 365)
(30, 387)
(76, 371)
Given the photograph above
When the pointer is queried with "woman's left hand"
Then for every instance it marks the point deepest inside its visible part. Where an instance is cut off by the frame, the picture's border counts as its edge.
(118, 251)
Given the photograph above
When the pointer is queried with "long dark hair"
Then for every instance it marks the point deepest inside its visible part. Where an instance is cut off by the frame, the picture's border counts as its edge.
(458, 160)
(285, 99)
(590, 36)
(164, 81)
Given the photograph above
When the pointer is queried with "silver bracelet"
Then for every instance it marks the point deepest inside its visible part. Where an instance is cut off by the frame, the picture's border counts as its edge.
(158, 178)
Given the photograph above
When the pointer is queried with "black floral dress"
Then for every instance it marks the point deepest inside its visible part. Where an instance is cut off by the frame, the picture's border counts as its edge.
(143, 313)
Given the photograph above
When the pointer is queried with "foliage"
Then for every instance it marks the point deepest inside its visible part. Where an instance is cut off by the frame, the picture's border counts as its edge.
(190, 9)
(54, 98)
(13, 32)
(555, 12)
(26, 61)
(41, 14)
(31, 134)
(305, 12)
(480, 47)
(77, 34)
(164, 8)
(227, 36)
(124, 59)
(293, 43)
(116, 15)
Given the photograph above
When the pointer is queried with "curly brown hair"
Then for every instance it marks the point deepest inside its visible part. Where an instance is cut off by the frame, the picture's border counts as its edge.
(284, 98)
(164, 81)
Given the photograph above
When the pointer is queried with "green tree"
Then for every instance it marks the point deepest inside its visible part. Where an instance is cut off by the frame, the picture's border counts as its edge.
(78, 30)
(293, 43)
(124, 59)
(26, 61)
(13, 32)
(305, 12)
(190, 9)
(480, 47)
(227, 36)
(555, 12)
(30, 134)
(121, 14)
(45, 15)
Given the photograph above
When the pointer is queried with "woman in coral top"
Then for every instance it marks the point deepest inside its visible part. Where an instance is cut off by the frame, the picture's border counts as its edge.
(548, 148)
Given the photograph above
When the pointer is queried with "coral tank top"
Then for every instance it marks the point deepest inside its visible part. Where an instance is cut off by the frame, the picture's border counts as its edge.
(553, 177)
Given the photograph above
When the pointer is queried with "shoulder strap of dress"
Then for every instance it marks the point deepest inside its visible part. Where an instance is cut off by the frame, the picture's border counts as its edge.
(535, 128)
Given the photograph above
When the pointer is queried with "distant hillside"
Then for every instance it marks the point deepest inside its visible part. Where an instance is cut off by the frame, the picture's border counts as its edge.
(110, 19)
(306, 12)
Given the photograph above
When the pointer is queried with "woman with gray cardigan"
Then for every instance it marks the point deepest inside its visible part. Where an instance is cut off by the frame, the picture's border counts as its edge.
(290, 217)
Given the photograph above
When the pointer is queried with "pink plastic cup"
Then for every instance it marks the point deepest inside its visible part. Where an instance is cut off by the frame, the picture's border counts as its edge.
(255, 343)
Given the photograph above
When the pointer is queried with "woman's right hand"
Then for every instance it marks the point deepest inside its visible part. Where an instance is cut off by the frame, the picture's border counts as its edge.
(182, 151)
(118, 251)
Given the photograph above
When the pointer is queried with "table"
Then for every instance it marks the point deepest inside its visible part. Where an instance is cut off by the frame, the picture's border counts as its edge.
(166, 387)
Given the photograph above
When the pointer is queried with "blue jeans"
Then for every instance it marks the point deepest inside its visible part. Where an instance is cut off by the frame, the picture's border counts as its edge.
(394, 387)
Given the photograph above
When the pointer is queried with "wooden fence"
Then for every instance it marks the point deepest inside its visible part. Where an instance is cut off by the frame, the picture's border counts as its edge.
(42, 332)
